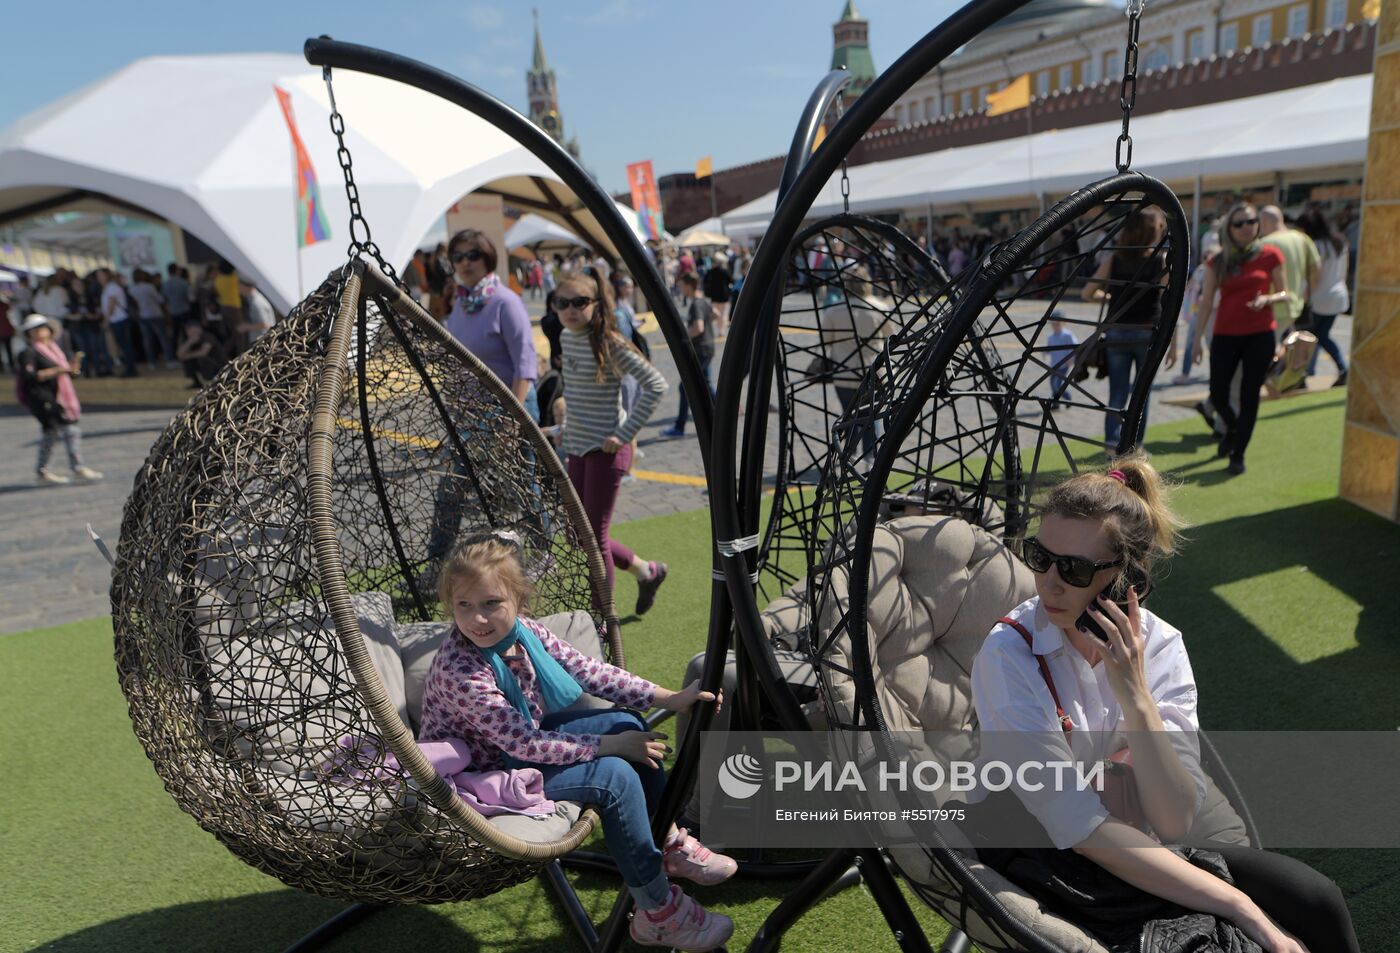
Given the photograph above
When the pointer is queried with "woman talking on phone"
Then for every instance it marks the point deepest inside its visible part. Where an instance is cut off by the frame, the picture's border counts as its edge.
(1042, 670)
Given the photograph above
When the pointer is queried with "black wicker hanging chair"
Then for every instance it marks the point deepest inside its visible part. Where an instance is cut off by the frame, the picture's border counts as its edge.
(861, 663)
(273, 556)
(852, 285)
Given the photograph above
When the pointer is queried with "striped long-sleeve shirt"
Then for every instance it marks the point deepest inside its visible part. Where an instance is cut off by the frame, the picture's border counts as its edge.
(595, 410)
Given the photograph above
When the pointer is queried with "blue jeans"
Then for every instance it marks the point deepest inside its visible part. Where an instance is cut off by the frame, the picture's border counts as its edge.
(153, 332)
(125, 335)
(870, 430)
(683, 415)
(1124, 347)
(624, 792)
(1322, 327)
(1190, 346)
(91, 338)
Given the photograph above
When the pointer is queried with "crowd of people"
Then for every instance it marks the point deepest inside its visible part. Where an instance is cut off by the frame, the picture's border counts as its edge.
(106, 324)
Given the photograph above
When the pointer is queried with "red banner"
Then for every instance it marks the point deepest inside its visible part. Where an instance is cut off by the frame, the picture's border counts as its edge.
(645, 199)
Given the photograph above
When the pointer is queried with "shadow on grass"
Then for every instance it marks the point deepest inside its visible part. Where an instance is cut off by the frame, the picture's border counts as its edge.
(1247, 678)
(274, 921)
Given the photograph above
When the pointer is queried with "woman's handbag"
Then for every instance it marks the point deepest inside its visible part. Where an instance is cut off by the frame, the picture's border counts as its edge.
(1120, 791)
(1290, 368)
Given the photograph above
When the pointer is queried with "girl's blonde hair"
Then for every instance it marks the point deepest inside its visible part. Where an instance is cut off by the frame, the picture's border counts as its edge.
(480, 556)
(1142, 527)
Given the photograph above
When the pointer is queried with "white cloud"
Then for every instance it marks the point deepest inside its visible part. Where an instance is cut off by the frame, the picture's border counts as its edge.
(473, 65)
(484, 17)
(620, 11)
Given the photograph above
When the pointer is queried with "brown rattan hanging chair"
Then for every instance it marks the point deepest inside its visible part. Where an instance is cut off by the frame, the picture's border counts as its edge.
(281, 540)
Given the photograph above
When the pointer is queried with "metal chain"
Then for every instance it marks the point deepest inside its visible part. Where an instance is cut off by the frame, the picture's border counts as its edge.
(358, 246)
(845, 177)
(1127, 91)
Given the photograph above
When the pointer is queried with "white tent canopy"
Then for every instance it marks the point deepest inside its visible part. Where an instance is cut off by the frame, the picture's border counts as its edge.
(1303, 128)
(533, 229)
(215, 157)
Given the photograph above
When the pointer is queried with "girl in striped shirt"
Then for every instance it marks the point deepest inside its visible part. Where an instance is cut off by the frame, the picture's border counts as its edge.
(598, 433)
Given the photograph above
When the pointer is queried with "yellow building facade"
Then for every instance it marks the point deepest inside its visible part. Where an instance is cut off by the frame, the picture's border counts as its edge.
(1076, 44)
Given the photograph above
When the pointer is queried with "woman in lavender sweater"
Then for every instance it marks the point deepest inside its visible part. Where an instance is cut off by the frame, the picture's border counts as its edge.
(489, 319)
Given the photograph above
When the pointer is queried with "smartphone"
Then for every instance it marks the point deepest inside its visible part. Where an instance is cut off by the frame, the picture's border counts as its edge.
(1119, 595)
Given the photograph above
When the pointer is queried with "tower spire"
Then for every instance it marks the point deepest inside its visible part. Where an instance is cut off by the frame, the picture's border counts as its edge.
(540, 64)
(544, 94)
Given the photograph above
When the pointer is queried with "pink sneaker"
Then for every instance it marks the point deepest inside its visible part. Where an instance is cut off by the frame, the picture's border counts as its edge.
(688, 858)
(686, 927)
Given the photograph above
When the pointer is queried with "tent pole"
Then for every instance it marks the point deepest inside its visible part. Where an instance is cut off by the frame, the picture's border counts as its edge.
(1196, 215)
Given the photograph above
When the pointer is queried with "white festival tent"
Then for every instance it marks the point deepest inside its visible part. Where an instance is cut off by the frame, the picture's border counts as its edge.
(535, 229)
(201, 141)
(1308, 127)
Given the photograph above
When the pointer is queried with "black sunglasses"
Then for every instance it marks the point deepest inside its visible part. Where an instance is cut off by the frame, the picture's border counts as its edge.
(471, 254)
(1242, 222)
(578, 303)
(1074, 570)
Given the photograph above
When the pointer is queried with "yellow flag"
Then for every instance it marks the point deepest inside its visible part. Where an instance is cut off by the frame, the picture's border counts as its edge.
(1014, 95)
(821, 135)
(705, 167)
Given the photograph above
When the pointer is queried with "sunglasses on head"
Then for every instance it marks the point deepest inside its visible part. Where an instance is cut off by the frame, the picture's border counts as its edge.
(578, 304)
(1244, 222)
(1074, 570)
(471, 254)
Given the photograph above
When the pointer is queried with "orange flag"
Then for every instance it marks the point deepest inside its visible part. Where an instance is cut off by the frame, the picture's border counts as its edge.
(705, 167)
(820, 138)
(1011, 97)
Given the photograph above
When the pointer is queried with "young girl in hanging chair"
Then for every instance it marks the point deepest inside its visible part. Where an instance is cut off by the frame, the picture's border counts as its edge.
(501, 682)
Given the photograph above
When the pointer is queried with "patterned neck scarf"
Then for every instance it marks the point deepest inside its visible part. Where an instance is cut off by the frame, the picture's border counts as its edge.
(477, 296)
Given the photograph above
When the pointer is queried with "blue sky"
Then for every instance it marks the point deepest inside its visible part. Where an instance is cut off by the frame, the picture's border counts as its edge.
(638, 79)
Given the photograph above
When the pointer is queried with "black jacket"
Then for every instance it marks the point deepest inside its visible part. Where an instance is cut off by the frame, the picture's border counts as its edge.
(40, 396)
(1124, 918)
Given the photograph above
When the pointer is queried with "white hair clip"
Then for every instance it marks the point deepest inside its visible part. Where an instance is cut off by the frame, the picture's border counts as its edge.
(508, 536)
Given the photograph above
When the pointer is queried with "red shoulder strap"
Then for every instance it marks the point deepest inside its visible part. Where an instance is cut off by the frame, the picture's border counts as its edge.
(1065, 722)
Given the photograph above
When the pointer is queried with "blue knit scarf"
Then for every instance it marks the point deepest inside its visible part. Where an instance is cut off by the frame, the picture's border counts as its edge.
(558, 690)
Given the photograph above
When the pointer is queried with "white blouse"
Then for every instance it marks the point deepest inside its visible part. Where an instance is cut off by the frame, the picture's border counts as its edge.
(1010, 695)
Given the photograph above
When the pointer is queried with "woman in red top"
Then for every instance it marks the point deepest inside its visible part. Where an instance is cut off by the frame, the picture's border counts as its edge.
(1250, 278)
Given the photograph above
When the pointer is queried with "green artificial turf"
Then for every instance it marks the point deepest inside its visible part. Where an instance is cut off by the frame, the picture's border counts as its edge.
(1280, 593)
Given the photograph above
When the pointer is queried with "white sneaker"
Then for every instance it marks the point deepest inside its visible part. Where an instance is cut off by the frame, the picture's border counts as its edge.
(48, 476)
(87, 473)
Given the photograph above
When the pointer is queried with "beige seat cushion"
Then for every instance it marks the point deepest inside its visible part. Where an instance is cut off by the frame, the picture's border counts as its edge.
(271, 687)
(937, 586)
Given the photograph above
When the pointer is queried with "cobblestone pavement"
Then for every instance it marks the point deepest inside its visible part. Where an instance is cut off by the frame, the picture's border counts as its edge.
(50, 572)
